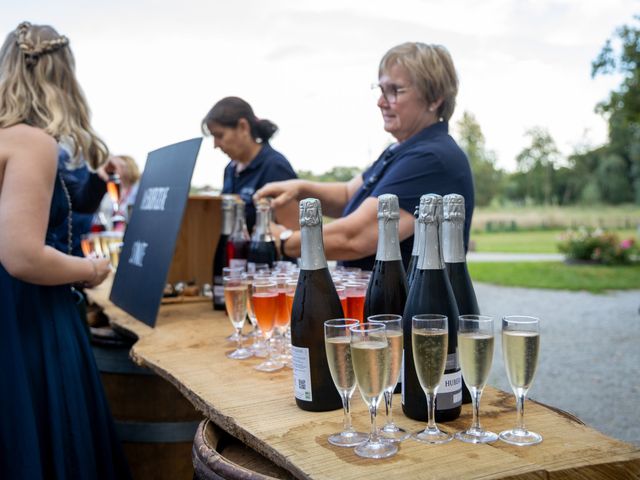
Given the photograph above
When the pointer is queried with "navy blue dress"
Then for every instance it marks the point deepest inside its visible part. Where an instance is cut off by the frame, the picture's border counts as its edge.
(54, 419)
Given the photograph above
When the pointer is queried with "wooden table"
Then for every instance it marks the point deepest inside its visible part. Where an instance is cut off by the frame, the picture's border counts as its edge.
(187, 348)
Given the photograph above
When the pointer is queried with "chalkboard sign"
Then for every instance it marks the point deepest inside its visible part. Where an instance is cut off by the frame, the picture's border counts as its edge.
(150, 239)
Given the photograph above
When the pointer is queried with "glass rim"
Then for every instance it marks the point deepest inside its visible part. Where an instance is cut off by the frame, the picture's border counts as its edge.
(520, 319)
(390, 317)
(335, 322)
(474, 317)
(364, 327)
(429, 316)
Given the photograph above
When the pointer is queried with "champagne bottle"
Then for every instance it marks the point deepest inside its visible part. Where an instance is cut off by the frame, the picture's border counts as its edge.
(411, 271)
(387, 289)
(431, 292)
(238, 242)
(455, 261)
(315, 301)
(220, 259)
(262, 248)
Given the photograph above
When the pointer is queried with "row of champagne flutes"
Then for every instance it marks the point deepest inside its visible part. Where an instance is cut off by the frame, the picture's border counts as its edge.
(264, 296)
(369, 355)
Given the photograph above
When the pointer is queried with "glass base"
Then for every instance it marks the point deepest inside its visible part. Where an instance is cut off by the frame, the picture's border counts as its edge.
(520, 437)
(259, 349)
(393, 433)
(476, 435)
(380, 449)
(347, 439)
(269, 366)
(240, 354)
(432, 436)
(233, 338)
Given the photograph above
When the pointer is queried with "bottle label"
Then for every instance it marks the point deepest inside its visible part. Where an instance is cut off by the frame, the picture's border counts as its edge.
(251, 267)
(218, 293)
(239, 263)
(301, 373)
(450, 391)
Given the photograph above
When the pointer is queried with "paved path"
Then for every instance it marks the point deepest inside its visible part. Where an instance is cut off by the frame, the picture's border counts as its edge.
(590, 353)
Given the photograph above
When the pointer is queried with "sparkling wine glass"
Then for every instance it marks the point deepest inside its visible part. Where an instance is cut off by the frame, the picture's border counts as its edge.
(235, 299)
(258, 347)
(265, 297)
(356, 292)
(430, 340)
(393, 324)
(475, 344)
(232, 272)
(520, 346)
(337, 341)
(370, 357)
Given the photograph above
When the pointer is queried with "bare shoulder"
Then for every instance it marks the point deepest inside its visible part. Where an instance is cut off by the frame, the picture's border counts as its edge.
(26, 142)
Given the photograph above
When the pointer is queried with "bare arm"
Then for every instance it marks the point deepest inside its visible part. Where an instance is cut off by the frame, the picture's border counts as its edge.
(333, 196)
(354, 236)
(25, 199)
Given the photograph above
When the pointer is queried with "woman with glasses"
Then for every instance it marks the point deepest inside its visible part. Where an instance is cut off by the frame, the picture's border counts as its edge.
(55, 418)
(418, 87)
(245, 139)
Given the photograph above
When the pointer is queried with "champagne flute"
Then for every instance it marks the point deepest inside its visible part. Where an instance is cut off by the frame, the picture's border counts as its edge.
(265, 297)
(475, 341)
(520, 346)
(430, 340)
(258, 347)
(337, 339)
(393, 324)
(235, 299)
(232, 272)
(355, 299)
(370, 356)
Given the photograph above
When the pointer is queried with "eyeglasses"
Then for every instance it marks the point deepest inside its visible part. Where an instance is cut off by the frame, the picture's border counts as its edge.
(390, 92)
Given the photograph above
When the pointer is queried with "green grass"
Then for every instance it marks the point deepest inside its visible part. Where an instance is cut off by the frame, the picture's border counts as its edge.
(536, 241)
(557, 275)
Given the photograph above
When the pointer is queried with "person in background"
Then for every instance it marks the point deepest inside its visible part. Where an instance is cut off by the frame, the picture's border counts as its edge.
(418, 87)
(55, 419)
(127, 170)
(245, 139)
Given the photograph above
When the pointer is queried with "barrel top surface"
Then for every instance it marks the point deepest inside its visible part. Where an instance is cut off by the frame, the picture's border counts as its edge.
(188, 346)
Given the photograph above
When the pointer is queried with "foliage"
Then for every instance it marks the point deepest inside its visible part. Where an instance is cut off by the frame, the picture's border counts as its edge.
(336, 174)
(486, 177)
(598, 246)
(557, 275)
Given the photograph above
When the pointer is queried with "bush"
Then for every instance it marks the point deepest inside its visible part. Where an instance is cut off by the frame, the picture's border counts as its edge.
(598, 246)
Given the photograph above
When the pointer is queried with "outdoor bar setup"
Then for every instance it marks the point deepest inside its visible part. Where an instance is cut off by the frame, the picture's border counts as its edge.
(222, 359)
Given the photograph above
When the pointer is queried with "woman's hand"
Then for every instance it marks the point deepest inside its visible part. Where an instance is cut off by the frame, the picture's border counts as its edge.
(101, 268)
(281, 192)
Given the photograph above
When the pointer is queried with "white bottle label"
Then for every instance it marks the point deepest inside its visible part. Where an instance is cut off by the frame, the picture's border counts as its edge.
(218, 291)
(301, 373)
(238, 263)
(450, 391)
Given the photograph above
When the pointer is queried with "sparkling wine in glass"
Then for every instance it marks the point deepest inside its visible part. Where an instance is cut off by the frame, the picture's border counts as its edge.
(258, 347)
(235, 299)
(393, 324)
(430, 340)
(265, 298)
(475, 344)
(520, 347)
(337, 341)
(370, 357)
(356, 292)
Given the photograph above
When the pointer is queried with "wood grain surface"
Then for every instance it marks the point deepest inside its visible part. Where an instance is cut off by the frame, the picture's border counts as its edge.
(188, 346)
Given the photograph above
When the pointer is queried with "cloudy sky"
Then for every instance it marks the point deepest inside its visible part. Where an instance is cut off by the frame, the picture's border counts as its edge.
(152, 69)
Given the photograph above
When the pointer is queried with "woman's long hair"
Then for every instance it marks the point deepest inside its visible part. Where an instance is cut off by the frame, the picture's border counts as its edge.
(38, 87)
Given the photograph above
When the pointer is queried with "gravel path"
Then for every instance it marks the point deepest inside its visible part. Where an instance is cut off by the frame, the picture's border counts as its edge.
(590, 353)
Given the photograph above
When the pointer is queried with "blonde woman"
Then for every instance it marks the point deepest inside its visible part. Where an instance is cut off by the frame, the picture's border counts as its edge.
(55, 420)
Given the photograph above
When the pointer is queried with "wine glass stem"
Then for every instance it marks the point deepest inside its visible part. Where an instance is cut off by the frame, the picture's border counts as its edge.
(239, 340)
(388, 400)
(346, 405)
(520, 412)
(476, 393)
(373, 410)
(431, 410)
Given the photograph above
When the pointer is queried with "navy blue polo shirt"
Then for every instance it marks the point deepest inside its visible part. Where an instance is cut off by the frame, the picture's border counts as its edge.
(268, 166)
(428, 162)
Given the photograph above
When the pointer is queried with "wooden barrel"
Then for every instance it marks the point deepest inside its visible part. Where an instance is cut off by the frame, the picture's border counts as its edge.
(156, 424)
(219, 456)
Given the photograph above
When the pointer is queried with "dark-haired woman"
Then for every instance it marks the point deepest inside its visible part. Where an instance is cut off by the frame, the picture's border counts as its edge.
(245, 139)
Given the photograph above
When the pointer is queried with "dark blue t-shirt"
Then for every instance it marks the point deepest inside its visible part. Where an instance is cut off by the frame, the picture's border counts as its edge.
(268, 166)
(428, 162)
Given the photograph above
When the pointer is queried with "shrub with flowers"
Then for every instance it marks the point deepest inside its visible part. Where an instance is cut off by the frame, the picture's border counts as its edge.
(598, 246)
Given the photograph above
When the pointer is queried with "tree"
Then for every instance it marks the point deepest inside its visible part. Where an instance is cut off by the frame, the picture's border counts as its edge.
(622, 109)
(486, 177)
(538, 161)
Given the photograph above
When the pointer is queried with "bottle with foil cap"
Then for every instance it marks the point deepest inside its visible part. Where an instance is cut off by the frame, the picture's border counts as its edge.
(431, 292)
(220, 259)
(456, 262)
(315, 301)
(413, 263)
(387, 289)
(262, 248)
(238, 242)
